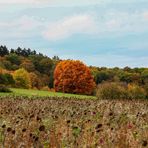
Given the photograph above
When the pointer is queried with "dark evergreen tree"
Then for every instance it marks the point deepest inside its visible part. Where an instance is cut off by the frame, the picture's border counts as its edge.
(3, 51)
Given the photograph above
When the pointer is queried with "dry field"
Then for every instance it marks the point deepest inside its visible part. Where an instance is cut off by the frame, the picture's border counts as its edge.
(72, 123)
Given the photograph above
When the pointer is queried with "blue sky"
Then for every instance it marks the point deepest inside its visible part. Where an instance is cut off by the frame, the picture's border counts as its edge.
(99, 32)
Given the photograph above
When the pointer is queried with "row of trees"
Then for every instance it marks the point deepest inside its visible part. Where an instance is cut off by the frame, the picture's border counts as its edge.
(39, 66)
(19, 51)
(128, 75)
(28, 69)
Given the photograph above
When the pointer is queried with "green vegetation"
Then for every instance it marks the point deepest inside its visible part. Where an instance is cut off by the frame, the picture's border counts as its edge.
(40, 73)
(39, 67)
(4, 89)
(40, 93)
(118, 90)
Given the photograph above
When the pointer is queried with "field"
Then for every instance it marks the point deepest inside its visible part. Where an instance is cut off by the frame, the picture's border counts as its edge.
(39, 93)
(61, 122)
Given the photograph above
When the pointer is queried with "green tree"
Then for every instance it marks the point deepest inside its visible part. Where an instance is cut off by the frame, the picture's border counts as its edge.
(144, 76)
(14, 59)
(3, 51)
(46, 65)
(51, 78)
(125, 77)
(36, 61)
(102, 76)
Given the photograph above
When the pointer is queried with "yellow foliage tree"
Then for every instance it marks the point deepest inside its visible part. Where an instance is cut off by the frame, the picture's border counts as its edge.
(22, 79)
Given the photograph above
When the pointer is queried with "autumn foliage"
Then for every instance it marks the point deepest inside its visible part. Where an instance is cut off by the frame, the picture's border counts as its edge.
(73, 77)
(22, 79)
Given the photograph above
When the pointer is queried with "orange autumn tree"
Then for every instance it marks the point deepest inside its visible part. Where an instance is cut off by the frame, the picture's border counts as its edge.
(73, 77)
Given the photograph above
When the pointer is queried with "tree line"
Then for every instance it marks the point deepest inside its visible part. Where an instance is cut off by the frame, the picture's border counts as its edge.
(25, 68)
(40, 67)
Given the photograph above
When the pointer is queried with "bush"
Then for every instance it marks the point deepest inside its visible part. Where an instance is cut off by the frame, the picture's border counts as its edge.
(120, 91)
(45, 88)
(144, 76)
(136, 92)
(3, 88)
(22, 79)
(3, 79)
(146, 90)
(6, 79)
(111, 91)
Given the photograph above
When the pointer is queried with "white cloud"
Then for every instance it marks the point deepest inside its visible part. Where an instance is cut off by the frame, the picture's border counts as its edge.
(113, 23)
(80, 24)
(23, 23)
(121, 23)
(109, 23)
(28, 23)
(21, 27)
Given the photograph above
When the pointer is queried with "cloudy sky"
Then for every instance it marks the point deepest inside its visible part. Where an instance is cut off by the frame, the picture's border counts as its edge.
(99, 32)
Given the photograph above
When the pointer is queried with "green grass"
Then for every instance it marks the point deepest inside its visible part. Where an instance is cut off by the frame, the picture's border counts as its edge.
(40, 93)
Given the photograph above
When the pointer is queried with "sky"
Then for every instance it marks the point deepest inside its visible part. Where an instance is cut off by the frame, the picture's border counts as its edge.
(110, 33)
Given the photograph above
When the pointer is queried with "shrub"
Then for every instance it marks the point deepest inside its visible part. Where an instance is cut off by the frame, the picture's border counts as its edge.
(45, 88)
(3, 79)
(73, 77)
(120, 91)
(136, 92)
(146, 90)
(3, 88)
(51, 89)
(144, 76)
(6, 79)
(22, 79)
(111, 90)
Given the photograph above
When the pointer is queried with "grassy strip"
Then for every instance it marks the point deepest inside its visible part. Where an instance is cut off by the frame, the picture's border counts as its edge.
(40, 93)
